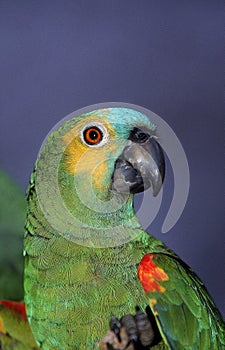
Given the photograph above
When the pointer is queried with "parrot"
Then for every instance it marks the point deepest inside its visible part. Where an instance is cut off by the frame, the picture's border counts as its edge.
(87, 257)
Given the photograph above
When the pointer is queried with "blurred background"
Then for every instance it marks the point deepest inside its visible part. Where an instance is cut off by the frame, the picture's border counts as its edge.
(167, 56)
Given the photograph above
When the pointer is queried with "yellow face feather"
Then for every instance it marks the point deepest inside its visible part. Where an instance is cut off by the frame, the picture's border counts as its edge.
(82, 158)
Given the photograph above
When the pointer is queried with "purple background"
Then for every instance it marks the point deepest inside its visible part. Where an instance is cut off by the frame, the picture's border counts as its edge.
(167, 56)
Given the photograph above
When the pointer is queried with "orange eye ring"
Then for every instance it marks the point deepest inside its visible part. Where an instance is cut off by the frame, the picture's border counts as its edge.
(92, 135)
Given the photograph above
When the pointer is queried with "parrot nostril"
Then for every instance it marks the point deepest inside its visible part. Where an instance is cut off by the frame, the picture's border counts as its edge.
(138, 136)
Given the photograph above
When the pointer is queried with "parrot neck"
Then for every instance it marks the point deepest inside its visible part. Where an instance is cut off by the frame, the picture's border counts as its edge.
(101, 223)
(75, 217)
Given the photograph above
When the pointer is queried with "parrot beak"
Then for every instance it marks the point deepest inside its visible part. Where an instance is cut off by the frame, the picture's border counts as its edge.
(140, 166)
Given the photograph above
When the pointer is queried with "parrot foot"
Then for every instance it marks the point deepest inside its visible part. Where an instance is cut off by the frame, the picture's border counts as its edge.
(138, 332)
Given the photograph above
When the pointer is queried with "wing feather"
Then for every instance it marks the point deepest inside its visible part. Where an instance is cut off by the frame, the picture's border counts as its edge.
(187, 315)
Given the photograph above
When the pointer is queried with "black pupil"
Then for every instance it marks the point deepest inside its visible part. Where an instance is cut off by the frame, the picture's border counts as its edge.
(93, 135)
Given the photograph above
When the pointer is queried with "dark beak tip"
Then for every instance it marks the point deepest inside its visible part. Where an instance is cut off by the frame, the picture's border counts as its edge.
(155, 191)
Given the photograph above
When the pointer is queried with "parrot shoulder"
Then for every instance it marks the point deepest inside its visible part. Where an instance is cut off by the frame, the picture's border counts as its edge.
(174, 289)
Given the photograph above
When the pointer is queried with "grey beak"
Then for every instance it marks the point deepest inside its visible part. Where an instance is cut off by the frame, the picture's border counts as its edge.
(140, 166)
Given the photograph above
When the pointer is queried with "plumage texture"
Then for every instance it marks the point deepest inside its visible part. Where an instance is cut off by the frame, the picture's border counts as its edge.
(72, 290)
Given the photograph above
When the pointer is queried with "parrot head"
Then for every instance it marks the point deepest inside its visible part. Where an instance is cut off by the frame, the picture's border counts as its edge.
(118, 148)
(97, 161)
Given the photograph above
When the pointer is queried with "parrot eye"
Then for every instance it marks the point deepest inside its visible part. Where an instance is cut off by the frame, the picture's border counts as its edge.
(94, 135)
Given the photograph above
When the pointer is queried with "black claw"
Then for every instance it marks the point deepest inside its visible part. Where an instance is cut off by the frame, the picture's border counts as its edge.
(145, 330)
(109, 346)
(128, 321)
(115, 326)
(138, 346)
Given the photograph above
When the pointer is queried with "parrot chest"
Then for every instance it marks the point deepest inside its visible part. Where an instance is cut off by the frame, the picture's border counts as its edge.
(74, 299)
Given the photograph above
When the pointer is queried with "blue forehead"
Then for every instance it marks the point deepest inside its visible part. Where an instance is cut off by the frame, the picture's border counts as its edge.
(124, 117)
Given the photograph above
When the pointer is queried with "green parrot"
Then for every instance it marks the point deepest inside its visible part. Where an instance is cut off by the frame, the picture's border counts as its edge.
(87, 257)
